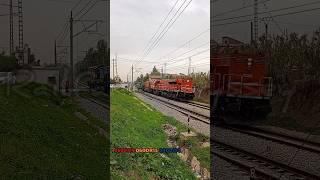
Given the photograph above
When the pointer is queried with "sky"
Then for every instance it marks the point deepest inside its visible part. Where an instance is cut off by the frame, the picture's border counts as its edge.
(133, 24)
(304, 23)
(45, 19)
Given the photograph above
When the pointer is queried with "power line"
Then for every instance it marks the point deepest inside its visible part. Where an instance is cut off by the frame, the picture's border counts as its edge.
(181, 59)
(199, 35)
(157, 42)
(89, 9)
(238, 9)
(188, 51)
(197, 60)
(76, 5)
(8, 14)
(149, 49)
(265, 12)
(63, 31)
(130, 60)
(166, 17)
(274, 21)
(84, 7)
(278, 15)
(175, 60)
(187, 42)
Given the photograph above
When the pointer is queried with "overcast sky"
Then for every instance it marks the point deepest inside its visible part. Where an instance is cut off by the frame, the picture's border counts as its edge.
(44, 20)
(133, 23)
(305, 22)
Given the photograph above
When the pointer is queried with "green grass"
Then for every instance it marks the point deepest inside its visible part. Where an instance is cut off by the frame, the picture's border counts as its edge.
(134, 125)
(202, 153)
(41, 136)
(193, 143)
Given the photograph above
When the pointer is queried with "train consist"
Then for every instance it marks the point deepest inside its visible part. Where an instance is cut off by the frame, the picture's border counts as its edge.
(240, 88)
(179, 87)
(98, 78)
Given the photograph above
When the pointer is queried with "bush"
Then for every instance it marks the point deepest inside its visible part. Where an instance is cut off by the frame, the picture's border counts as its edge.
(7, 63)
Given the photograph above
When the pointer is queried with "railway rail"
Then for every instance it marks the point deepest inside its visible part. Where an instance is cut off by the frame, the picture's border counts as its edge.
(200, 105)
(95, 100)
(250, 130)
(186, 111)
(256, 166)
(277, 137)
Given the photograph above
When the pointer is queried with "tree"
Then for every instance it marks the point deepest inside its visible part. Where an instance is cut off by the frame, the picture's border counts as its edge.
(140, 81)
(201, 83)
(290, 53)
(155, 71)
(146, 77)
(7, 63)
(94, 56)
(32, 59)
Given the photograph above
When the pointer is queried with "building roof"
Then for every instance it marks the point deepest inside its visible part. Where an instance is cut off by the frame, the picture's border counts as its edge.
(230, 41)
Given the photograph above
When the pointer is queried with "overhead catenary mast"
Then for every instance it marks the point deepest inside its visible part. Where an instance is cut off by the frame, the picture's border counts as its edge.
(255, 21)
(20, 30)
(11, 28)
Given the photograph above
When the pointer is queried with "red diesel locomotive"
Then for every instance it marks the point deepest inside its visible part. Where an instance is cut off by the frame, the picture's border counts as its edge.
(179, 87)
(240, 89)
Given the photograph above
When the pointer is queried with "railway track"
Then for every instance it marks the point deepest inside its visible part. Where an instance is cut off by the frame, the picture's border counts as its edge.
(82, 85)
(200, 105)
(186, 111)
(256, 166)
(95, 100)
(277, 137)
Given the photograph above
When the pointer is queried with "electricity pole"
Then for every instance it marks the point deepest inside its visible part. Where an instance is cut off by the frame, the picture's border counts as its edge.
(266, 26)
(116, 65)
(55, 52)
(189, 68)
(132, 78)
(11, 29)
(20, 28)
(71, 51)
(255, 21)
(113, 69)
(162, 72)
(251, 32)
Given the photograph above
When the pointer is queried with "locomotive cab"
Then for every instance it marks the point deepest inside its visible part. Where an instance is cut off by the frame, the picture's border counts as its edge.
(241, 91)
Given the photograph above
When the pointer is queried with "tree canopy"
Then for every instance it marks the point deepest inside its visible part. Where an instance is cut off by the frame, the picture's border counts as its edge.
(7, 63)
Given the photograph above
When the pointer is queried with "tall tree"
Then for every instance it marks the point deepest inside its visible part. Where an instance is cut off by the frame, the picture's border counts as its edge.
(155, 71)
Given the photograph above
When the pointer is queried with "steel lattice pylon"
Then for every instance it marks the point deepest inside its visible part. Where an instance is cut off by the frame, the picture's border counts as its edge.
(11, 29)
(255, 21)
(20, 34)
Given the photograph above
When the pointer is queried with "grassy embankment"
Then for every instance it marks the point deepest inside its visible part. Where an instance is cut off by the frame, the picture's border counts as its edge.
(135, 124)
(41, 136)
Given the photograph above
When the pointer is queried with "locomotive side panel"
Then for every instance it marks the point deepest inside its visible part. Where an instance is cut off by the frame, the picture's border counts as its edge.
(177, 88)
(240, 89)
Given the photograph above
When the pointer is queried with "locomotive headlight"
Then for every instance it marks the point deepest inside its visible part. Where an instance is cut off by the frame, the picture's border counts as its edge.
(249, 62)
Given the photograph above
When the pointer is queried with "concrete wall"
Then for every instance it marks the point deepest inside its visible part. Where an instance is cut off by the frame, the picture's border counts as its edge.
(50, 76)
